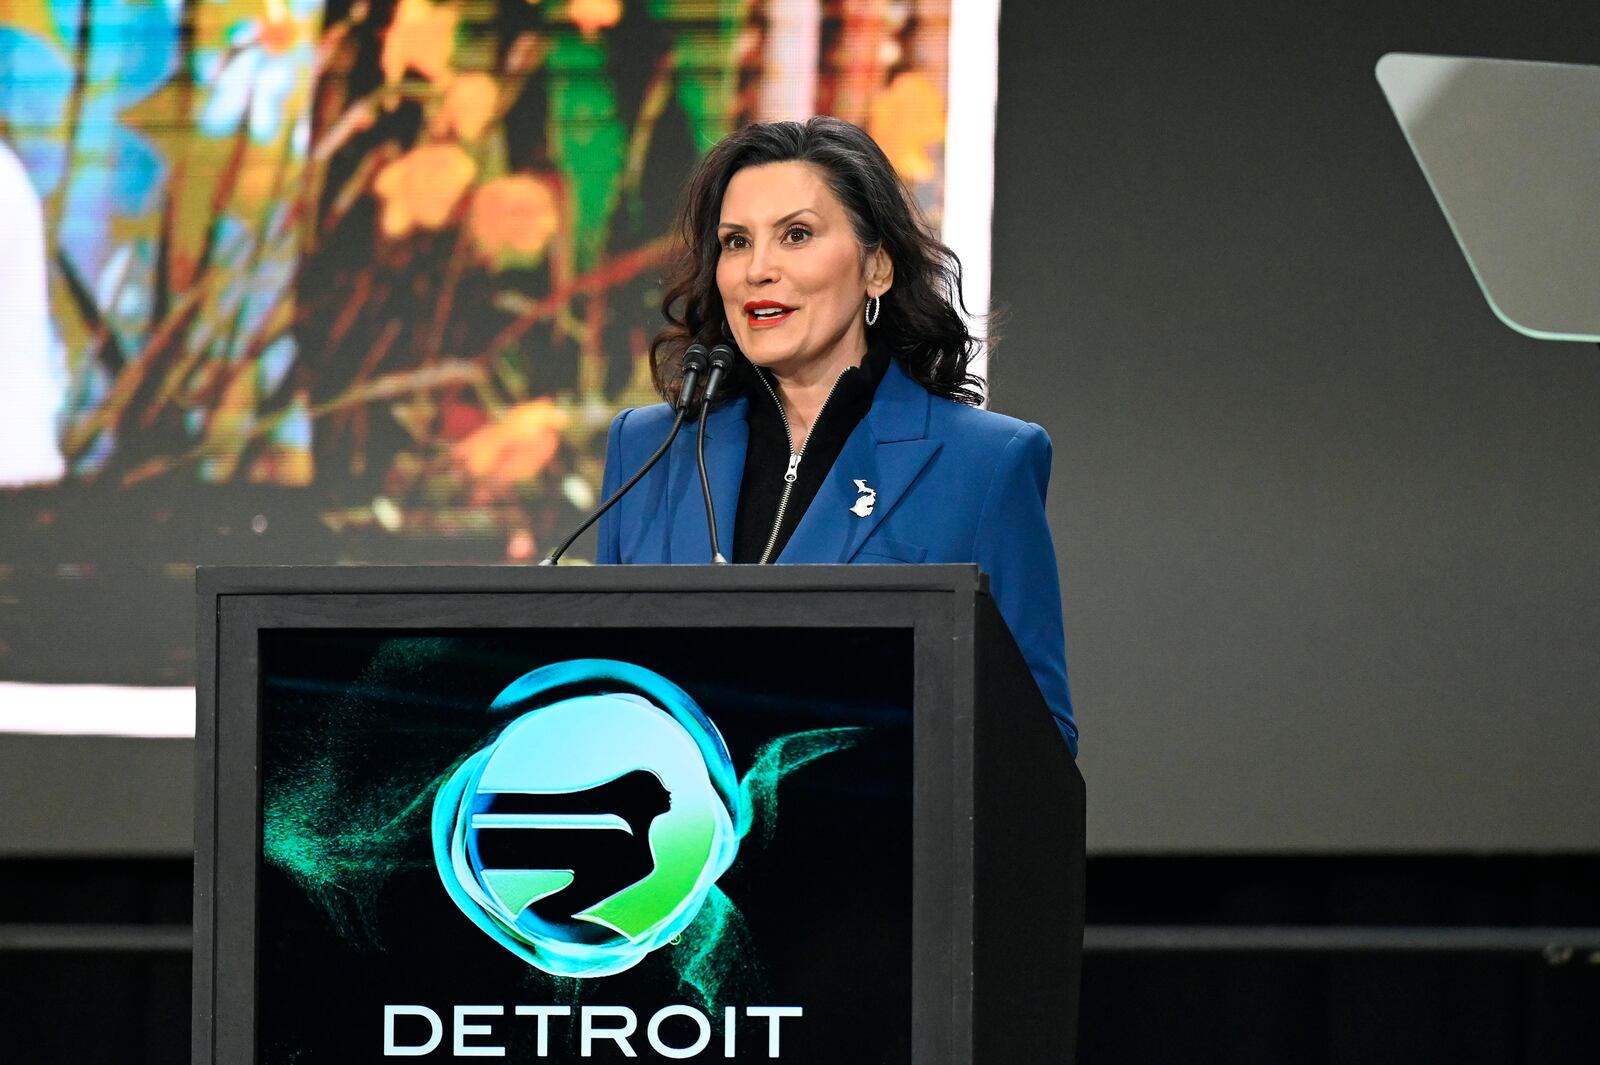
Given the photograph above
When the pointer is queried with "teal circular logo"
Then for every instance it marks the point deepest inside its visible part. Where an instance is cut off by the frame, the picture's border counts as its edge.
(589, 831)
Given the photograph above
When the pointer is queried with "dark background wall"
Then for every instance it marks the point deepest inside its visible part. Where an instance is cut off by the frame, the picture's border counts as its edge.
(1327, 528)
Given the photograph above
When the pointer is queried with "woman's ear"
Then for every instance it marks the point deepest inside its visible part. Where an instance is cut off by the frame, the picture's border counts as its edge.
(879, 271)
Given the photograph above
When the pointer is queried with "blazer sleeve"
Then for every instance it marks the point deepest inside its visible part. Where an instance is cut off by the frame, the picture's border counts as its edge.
(608, 548)
(1014, 547)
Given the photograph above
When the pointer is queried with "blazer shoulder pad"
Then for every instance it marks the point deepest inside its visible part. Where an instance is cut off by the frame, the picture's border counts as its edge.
(985, 428)
(656, 418)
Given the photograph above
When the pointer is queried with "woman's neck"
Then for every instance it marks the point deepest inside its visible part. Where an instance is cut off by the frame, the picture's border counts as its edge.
(803, 394)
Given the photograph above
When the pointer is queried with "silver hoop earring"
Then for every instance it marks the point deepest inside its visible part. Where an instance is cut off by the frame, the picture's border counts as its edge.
(874, 305)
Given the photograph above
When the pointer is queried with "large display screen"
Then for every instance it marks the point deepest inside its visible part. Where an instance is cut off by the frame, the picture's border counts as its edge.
(294, 281)
(563, 845)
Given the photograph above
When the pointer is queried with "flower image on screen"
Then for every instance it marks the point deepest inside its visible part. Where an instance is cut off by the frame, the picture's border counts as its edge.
(293, 281)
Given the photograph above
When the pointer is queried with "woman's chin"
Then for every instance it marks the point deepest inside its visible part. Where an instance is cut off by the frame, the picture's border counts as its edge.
(765, 354)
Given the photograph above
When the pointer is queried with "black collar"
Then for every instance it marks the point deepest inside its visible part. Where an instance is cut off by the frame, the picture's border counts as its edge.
(767, 453)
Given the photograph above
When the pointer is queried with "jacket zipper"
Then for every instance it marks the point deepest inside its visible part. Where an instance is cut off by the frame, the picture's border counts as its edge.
(793, 472)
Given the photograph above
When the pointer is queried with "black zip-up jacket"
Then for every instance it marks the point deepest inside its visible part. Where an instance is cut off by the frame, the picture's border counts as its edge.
(767, 455)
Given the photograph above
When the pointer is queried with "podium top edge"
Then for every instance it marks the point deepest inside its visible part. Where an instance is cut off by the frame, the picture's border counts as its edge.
(521, 579)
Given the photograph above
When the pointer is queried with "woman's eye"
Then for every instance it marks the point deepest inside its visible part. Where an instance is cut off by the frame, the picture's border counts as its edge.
(733, 241)
(796, 234)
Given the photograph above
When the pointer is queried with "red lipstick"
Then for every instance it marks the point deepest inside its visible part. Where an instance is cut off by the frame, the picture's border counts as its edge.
(760, 314)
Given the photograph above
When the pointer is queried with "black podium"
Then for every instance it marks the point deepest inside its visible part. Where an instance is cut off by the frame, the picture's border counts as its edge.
(806, 813)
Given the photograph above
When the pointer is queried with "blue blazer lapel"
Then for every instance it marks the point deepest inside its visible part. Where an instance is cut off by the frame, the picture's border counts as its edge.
(727, 433)
(886, 452)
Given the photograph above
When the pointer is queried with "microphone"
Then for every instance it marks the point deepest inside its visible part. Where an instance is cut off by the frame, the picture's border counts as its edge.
(722, 362)
(694, 364)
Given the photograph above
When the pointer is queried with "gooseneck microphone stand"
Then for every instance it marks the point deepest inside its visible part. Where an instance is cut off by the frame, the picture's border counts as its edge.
(721, 359)
(694, 364)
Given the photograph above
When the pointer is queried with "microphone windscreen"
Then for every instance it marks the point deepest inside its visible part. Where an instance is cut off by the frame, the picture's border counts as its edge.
(722, 361)
(693, 367)
(694, 358)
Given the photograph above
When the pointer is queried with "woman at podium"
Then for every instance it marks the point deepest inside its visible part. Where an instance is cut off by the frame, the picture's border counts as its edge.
(850, 430)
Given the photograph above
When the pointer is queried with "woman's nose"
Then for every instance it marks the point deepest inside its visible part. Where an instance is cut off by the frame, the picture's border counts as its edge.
(760, 268)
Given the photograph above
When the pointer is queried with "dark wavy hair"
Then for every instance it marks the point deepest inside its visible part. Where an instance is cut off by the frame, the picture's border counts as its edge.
(919, 320)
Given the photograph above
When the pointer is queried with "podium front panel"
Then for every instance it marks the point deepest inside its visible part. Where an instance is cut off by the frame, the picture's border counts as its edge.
(571, 823)
(805, 931)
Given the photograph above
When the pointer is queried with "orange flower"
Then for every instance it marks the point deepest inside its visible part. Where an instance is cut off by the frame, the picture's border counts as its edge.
(513, 218)
(280, 464)
(469, 104)
(592, 16)
(420, 38)
(907, 121)
(422, 187)
(516, 447)
(280, 31)
(521, 546)
(257, 175)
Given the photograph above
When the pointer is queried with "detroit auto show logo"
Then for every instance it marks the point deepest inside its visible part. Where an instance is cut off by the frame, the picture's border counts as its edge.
(590, 830)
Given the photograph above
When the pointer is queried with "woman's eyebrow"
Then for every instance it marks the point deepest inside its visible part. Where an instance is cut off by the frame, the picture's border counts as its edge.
(785, 220)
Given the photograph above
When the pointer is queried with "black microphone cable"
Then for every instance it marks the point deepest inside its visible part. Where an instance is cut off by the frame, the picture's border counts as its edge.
(694, 364)
(722, 362)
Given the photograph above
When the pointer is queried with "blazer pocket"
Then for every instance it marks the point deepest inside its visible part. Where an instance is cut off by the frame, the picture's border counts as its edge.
(881, 549)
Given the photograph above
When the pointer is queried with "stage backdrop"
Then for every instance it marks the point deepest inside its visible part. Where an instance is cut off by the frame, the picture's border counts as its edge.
(287, 281)
(1326, 526)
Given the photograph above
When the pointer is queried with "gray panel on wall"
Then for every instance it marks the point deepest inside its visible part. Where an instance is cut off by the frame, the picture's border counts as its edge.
(1511, 152)
(102, 796)
(1327, 528)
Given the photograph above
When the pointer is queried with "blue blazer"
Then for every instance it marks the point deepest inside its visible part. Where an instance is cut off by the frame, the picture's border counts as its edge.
(954, 484)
